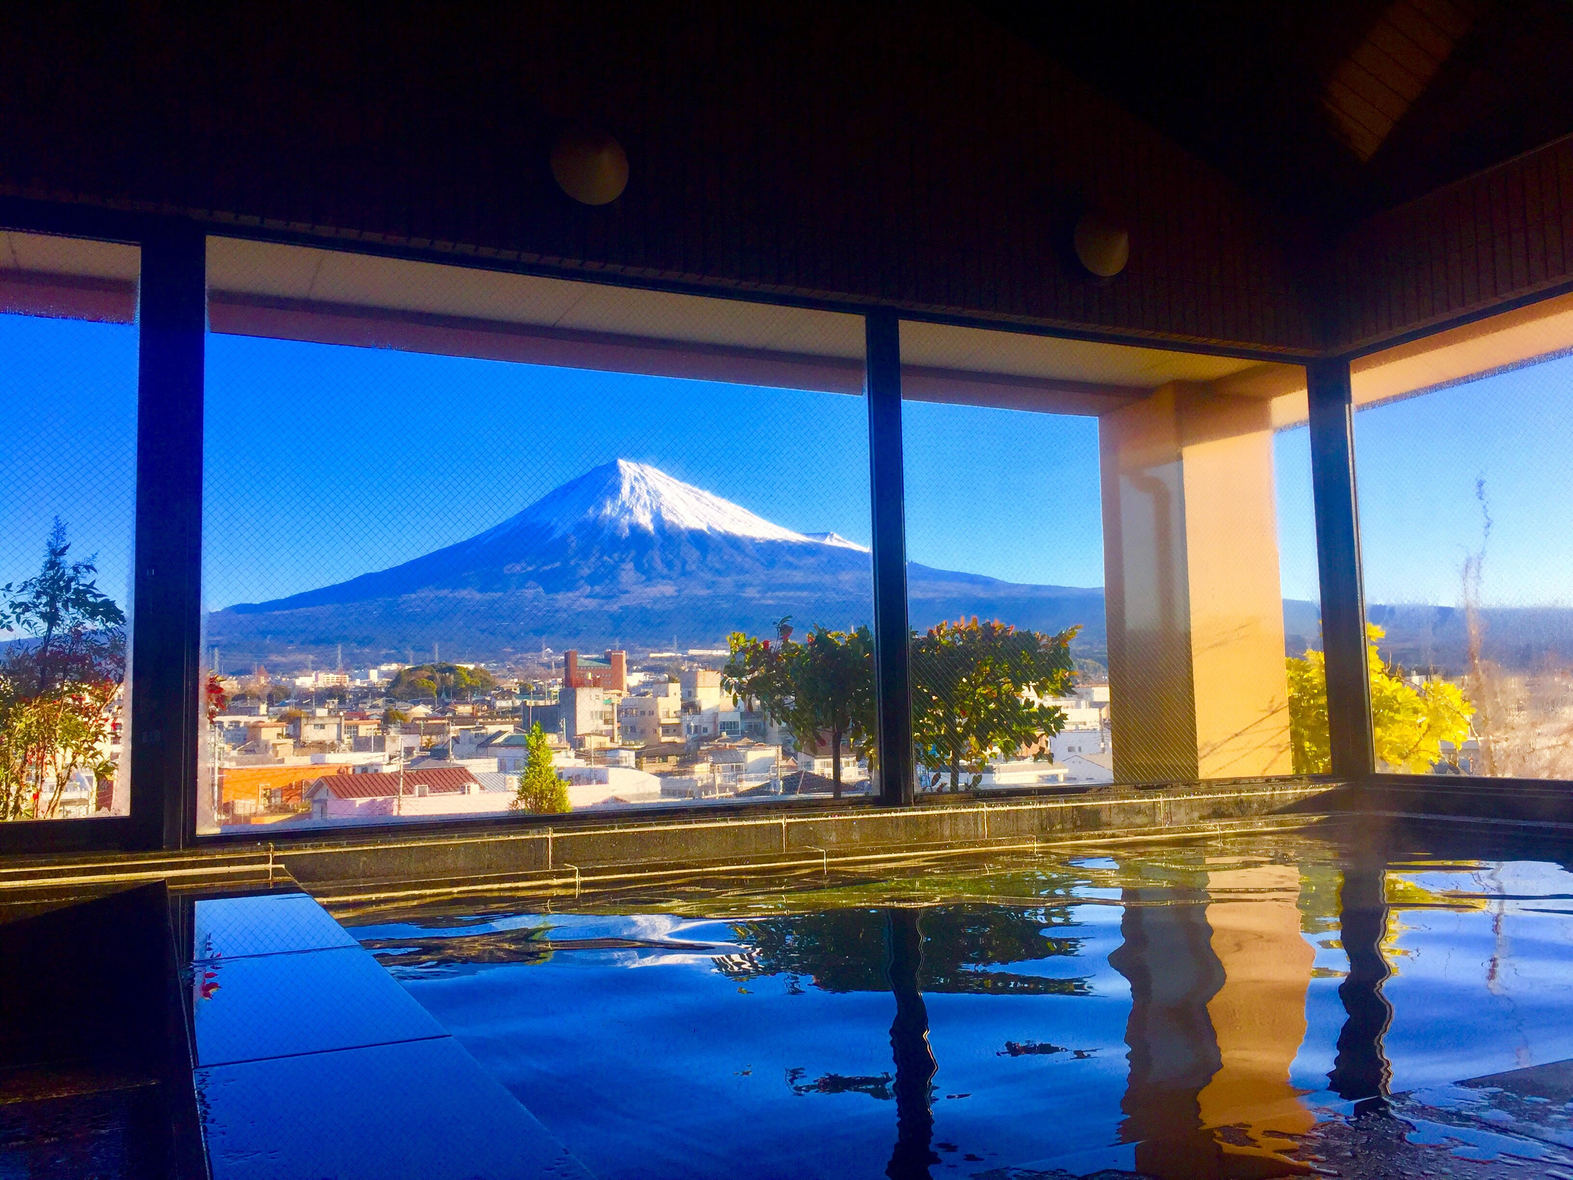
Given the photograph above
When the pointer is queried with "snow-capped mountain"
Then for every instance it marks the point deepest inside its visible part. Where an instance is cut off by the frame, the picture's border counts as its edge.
(624, 553)
(623, 497)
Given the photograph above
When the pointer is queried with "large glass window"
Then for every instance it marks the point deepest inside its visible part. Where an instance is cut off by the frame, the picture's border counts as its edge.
(477, 544)
(1310, 746)
(1460, 442)
(1103, 586)
(68, 385)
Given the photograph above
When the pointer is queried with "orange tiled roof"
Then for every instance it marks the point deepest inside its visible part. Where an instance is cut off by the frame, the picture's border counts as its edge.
(444, 780)
(243, 782)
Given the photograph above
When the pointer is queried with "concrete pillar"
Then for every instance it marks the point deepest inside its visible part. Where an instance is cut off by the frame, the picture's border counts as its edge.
(1197, 679)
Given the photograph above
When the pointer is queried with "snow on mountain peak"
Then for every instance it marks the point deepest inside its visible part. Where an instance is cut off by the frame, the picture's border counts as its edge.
(624, 496)
(837, 540)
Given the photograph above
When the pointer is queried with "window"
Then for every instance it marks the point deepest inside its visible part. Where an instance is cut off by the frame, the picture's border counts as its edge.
(444, 507)
(1309, 740)
(1101, 585)
(1460, 442)
(68, 384)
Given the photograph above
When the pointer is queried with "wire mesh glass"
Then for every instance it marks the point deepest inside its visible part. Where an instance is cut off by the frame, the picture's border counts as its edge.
(68, 387)
(1112, 553)
(577, 568)
(1469, 603)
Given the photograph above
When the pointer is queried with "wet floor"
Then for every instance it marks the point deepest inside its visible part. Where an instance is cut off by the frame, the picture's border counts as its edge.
(94, 1078)
(1207, 1009)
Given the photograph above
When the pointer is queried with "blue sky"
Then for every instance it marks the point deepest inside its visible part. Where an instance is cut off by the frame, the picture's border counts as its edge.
(325, 462)
(1416, 464)
(68, 396)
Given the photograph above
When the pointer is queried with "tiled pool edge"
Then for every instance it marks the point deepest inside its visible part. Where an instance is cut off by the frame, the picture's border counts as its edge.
(360, 1128)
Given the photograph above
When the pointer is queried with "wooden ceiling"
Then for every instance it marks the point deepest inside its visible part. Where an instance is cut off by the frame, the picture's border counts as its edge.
(1332, 108)
(932, 156)
(1335, 108)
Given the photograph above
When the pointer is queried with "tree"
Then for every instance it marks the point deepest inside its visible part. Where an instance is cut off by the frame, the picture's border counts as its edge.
(967, 948)
(60, 683)
(541, 789)
(822, 686)
(439, 680)
(978, 690)
(1409, 722)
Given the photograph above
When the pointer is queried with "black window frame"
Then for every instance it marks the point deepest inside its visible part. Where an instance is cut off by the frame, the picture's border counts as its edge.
(165, 698)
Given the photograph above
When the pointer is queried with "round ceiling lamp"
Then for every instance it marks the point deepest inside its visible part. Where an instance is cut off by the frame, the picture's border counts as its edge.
(1103, 245)
(590, 166)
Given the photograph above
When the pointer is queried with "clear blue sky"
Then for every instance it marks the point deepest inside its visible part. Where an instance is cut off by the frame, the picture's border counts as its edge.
(68, 399)
(447, 447)
(1417, 461)
(326, 462)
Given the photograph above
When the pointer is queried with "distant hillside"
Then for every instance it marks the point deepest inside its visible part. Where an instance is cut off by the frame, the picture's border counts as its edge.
(627, 555)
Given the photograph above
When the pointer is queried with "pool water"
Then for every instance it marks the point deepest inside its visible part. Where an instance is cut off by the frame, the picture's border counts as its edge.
(1276, 1005)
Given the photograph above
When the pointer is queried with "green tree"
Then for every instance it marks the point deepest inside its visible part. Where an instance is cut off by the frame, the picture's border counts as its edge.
(59, 683)
(453, 681)
(1409, 722)
(978, 691)
(541, 789)
(823, 686)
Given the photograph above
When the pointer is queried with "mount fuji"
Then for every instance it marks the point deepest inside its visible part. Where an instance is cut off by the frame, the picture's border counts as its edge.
(624, 554)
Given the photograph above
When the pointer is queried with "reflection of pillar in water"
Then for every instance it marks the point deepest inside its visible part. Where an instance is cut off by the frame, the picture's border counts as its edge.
(1218, 983)
(1360, 1070)
(909, 1043)
(1168, 959)
(1258, 1016)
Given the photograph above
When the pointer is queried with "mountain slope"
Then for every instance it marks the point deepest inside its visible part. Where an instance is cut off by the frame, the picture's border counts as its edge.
(624, 553)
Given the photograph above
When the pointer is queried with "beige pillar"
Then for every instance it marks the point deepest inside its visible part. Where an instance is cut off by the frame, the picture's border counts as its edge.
(1197, 680)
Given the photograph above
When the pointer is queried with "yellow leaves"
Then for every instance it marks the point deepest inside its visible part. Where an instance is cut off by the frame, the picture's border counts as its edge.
(1410, 722)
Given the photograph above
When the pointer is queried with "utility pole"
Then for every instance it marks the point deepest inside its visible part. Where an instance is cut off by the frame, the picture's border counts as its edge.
(216, 736)
(398, 807)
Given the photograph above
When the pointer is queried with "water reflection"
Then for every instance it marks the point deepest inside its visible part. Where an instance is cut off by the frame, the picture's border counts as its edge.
(1361, 1072)
(1190, 1012)
(1166, 956)
(1218, 973)
(909, 1044)
(1258, 1018)
(966, 949)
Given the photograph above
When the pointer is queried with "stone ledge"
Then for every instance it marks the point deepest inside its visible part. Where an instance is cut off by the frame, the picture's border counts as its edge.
(589, 851)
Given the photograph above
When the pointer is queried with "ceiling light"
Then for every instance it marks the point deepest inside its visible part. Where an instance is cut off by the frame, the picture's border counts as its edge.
(590, 166)
(1103, 245)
